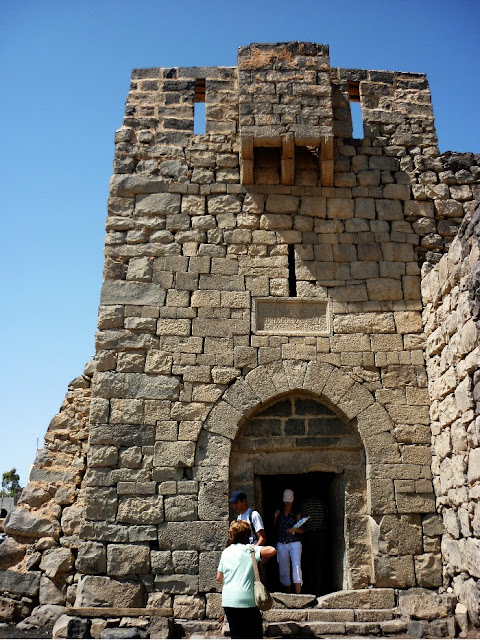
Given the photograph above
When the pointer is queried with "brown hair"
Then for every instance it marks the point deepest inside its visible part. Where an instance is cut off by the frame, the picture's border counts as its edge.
(238, 532)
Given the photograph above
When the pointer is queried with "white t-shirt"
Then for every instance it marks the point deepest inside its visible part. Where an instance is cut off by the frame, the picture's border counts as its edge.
(252, 517)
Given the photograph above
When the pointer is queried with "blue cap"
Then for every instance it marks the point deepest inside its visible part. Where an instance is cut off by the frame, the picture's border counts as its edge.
(238, 495)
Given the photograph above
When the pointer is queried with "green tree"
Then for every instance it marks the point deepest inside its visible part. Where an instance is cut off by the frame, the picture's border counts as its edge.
(10, 483)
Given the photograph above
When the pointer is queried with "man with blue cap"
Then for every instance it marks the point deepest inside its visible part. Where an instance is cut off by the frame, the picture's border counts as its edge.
(254, 519)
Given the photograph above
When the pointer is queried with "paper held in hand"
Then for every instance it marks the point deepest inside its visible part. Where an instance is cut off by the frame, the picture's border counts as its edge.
(300, 523)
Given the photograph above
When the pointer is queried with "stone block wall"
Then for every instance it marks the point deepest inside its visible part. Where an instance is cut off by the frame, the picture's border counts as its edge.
(37, 559)
(272, 259)
(451, 318)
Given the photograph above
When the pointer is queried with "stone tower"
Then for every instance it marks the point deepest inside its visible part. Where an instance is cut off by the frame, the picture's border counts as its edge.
(260, 327)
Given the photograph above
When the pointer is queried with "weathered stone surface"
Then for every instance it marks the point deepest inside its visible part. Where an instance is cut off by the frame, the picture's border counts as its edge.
(56, 561)
(52, 592)
(395, 571)
(42, 616)
(24, 523)
(91, 558)
(421, 604)
(200, 536)
(140, 510)
(189, 607)
(97, 591)
(177, 583)
(60, 626)
(22, 584)
(127, 560)
(11, 552)
(401, 535)
(358, 599)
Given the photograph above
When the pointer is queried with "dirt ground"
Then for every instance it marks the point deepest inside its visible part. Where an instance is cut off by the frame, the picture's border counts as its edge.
(12, 633)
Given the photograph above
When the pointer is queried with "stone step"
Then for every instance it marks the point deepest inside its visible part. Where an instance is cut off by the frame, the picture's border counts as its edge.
(329, 615)
(320, 629)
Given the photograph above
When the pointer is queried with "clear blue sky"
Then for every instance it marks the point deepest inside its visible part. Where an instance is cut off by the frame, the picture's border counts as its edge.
(65, 69)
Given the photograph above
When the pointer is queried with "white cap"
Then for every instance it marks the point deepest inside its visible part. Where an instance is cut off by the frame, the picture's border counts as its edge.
(288, 495)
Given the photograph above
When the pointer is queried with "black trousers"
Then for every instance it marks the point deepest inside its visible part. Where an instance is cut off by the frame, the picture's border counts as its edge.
(244, 623)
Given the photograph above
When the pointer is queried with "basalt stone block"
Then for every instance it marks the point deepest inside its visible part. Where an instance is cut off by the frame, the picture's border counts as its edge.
(52, 591)
(140, 510)
(394, 571)
(177, 583)
(78, 628)
(11, 552)
(56, 561)
(97, 591)
(24, 523)
(201, 536)
(207, 570)
(22, 584)
(180, 508)
(359, 599)
(120, 292)
(423, 604)
(401, 535)
(91, 558)
(123, 435)
(127, 559)
(161, 562)
(189, 607)
(174, 454)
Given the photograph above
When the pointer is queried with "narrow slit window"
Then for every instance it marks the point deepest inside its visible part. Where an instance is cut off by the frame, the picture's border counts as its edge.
(292, 280)
(199, 111)
(356, 110)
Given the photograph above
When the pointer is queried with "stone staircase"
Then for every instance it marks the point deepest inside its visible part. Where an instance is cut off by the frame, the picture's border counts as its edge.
(353, 613)
(369, 613)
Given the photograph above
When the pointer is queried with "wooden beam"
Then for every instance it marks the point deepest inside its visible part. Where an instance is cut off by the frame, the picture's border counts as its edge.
(246, 159)
(288, 159)
(326, 161)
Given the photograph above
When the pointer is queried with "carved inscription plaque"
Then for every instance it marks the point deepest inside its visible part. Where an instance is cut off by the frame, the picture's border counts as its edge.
(292, 316)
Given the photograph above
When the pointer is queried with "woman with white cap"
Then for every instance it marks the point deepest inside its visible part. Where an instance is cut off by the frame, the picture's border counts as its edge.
(289, 547)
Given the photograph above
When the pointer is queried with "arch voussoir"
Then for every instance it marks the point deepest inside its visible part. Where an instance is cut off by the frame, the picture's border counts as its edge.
(261, 383)
(241, 396)
(317, 376)
(223, 420)
(295, 371)
(355, 400)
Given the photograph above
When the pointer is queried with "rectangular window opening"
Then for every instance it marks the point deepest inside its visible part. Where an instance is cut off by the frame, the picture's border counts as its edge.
(356, 110)
(199, 111)
(292, 280)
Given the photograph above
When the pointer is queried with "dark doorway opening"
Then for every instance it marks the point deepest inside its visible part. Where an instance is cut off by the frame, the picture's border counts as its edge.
(322, 552)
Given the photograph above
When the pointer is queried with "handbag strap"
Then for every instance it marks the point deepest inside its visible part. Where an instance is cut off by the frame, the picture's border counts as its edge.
(254, 562)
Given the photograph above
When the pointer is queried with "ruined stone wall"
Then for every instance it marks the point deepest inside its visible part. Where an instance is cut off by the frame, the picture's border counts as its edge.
(271, 259)
(451, 318)
(37, 559)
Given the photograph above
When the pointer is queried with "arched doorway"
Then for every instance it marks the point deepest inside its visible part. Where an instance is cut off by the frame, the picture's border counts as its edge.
(300, 442)
(368, 487)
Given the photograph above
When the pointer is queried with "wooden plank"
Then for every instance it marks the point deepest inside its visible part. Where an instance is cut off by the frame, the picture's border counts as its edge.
(326, 161)
(288, 171)
(246, 147)
(246, 171)
(118, 612)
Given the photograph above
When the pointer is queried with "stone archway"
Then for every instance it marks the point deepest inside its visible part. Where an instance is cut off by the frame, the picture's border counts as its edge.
(351, 400)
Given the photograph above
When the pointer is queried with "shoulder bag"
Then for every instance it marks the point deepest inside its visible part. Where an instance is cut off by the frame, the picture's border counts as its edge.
(263, 599)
